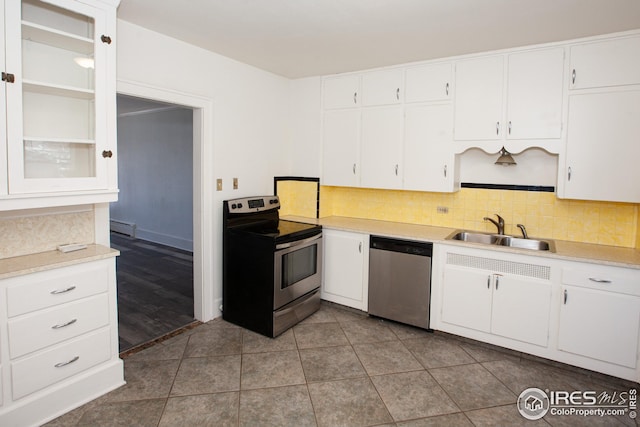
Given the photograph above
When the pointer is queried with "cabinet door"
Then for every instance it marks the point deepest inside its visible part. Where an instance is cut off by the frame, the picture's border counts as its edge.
(381, 151)
(340, 147)
(341, 92)
(57, 106)
(602, 147)
(478, 98)
(466, 298)
(344, 268)
(534, 94)
(428, 148)
(608, 333)
(521, 309)
(606, 63)
(428, 83)
(382, 87)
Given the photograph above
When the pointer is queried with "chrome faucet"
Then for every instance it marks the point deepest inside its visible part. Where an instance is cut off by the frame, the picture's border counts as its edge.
(524, 231)
(499, 224)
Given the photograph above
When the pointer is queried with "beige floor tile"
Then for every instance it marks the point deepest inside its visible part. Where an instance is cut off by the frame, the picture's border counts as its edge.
(386, 358)
(347, 403)
(200, 375)
(280, 406)
(331, 363)
(275, 369)
(205, 410)
(411, 395)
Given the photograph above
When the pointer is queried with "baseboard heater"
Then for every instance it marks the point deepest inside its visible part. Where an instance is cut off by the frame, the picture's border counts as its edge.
(122, 227)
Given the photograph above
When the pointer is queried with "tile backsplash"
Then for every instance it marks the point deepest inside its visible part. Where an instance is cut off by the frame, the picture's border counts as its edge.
(23, 233)
(542, 213)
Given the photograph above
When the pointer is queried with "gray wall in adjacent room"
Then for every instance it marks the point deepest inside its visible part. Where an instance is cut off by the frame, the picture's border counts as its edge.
(155, 175)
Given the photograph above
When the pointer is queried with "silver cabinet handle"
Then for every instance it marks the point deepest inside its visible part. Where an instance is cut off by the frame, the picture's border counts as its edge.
(497, 281)
(489, 282)
(573, 76)
(398, 94)
(355, 97)
(446, 89)
(396, 170)
(497, 128)
(62, 291)
(595, 279)
(354, 168)
(569, 174)
(360, 247)
(68, 362)
(565, 297)
(509, 127)
(445, 171)
(62, 325)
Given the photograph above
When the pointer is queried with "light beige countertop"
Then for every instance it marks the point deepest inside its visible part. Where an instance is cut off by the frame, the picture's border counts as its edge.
(572, 251)
(26, 264)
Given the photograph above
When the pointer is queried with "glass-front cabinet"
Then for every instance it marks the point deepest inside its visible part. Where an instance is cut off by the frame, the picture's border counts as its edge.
(56, 90)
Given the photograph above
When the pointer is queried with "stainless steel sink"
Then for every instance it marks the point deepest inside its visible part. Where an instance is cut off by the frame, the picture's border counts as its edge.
(532, 244)
(502, 240)
(473, 237)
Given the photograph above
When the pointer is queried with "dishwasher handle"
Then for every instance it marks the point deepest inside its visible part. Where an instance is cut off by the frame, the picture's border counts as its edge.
(403, 246)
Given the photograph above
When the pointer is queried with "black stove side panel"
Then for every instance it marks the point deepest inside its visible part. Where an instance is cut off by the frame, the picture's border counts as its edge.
(248, 281)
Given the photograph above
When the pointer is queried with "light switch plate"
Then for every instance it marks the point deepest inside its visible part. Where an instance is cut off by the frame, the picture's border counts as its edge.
(219, 184)
(235, 183)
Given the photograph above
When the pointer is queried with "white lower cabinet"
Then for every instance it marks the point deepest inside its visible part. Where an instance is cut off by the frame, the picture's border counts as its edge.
(58, 341)
(502, 297)
(600, 314)
(346, 264)
(579, 313)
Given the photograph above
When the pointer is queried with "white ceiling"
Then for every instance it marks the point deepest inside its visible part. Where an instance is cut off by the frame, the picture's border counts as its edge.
(299, 38)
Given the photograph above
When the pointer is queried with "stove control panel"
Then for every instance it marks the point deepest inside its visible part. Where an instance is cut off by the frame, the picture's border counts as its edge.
(253, 204)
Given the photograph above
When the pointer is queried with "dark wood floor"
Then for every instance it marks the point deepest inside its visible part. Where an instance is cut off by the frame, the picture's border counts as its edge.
(155, 290)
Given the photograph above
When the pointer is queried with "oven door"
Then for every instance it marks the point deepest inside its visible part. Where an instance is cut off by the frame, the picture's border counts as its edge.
(298, 269)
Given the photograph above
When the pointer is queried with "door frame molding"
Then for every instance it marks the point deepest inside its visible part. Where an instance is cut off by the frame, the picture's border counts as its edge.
(203, 214)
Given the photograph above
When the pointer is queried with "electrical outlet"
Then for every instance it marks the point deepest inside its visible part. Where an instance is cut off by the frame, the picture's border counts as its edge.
(219, 184)
(443, 210)
(235, 183)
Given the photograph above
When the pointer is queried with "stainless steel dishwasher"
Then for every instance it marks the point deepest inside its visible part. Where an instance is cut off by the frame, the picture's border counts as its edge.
(400, 280)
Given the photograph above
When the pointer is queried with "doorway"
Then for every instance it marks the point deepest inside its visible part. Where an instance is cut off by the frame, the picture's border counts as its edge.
(207, 292)
(152, 222)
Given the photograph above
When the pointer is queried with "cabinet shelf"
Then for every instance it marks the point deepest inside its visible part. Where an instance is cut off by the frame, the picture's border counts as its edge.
(60, 140)
(50, 36)
(57, 90)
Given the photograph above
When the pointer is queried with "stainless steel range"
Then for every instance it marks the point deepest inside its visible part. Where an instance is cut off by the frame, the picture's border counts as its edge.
(272, 269)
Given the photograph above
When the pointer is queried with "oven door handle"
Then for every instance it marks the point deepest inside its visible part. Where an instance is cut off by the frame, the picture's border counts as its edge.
(298, 242)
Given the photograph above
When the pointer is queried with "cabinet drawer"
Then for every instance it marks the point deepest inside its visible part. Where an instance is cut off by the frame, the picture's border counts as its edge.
(46, 289)
(44, 328)
(42, 369)
(622, 280)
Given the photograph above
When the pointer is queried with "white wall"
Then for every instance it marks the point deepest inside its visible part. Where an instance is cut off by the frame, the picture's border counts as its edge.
(305, 127)
(155, 175)
(250, 121)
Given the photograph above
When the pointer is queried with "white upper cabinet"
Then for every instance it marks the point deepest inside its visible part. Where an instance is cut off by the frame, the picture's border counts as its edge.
(606, 63)
(381, 152)
(602, 147)
(534, 94)
(510, 97)
(3, 114)
(478, 98)
(341, 92)
(428, 83)
(341, 147)
(60, 56)
(429, 161)
(382, 87)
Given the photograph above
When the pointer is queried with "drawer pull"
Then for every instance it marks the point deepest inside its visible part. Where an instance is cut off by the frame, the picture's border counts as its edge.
(62, 325)
(595, 279)
(68, 362)
(62, 291)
